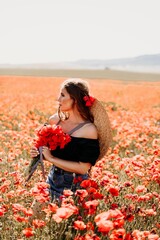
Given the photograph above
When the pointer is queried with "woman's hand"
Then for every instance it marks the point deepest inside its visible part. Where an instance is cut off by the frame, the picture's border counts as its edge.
(47, 154)
(34, 152)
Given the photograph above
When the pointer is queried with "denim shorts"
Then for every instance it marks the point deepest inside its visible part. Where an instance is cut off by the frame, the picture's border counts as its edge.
(59, 180)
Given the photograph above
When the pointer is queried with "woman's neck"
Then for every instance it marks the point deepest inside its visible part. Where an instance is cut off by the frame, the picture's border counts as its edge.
(74, 118)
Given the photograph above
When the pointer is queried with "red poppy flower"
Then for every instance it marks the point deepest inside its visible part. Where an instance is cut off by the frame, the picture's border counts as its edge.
(28, 232)
(28, 212)
(117, 234)
(90, 226)
(52, 207)
(109, 214)
(104, 226)
(153, 237)
(82, 193)
(91, 206)
(118, 223)
(97, 195)
(129, 217)
(89, 183)
(79, 225)
(51, 136)
(114, 191)
(141, 188)
(77, 180)
(5, 186)
(42, 198)
(10, 194)
(128, 237)
(67, 192)
(37, 223)
(2, 211)
(64, 212)
(17, 207)
(114, 206)
(94, 194)
(20, 218)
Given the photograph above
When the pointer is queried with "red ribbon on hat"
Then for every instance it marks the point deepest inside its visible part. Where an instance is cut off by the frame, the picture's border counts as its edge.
(89, 100)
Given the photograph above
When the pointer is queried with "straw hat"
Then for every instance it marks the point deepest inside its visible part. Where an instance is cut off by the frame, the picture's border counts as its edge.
(102, 123)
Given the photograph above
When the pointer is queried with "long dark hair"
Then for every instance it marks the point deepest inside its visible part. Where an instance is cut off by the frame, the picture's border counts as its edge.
(77, 89)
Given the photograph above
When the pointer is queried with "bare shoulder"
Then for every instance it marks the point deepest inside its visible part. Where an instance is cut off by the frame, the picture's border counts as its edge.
(89, 131)
(53, 119)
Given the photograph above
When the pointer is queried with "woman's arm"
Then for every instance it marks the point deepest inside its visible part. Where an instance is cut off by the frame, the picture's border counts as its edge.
(70, 166)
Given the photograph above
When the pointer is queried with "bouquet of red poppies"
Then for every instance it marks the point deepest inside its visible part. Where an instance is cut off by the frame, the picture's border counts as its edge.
(51, 136)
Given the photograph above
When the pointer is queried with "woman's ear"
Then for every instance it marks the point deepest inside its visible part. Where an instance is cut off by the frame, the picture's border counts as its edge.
(74, 101)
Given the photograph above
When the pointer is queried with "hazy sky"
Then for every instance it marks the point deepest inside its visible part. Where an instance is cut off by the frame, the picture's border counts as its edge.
(64, 30)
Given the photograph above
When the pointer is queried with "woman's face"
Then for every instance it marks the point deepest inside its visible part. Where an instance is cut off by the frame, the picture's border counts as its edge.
(65, 101)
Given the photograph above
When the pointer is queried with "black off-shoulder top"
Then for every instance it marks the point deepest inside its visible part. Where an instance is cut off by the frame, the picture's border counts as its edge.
(79, 150)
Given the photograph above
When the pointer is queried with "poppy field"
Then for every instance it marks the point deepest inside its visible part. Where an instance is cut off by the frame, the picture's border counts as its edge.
(121, 200)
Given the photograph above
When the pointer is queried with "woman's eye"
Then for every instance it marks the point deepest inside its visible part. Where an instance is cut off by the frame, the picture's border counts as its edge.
(62, 94)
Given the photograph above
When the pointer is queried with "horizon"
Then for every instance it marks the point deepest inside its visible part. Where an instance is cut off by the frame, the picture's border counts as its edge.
(54, 31)
(74, 61)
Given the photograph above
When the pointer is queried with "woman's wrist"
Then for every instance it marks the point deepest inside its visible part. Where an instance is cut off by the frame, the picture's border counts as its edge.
(51, 159)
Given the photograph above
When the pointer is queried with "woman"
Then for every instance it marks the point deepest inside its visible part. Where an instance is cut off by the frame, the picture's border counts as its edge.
(76, 115)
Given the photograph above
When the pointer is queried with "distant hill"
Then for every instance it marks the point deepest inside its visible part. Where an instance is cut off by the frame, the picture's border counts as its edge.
(144, 63)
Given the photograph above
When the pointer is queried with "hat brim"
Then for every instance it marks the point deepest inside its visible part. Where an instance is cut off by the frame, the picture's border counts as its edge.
(102, 123)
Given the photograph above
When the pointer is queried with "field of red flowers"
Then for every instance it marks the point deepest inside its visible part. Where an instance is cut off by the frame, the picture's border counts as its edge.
(120, 201)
